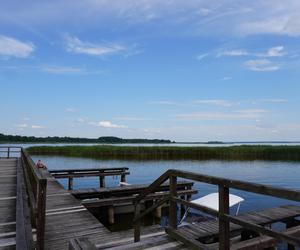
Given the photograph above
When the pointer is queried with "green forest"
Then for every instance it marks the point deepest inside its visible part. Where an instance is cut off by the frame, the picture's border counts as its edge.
(56, 139)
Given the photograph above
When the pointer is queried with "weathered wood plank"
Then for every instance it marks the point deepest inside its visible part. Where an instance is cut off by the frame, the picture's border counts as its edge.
(24, 239)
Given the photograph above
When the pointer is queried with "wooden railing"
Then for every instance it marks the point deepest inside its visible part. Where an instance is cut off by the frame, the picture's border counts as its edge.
(24, 237)
(10, 151)
(36, 186)
(223, 215)
(70, 174)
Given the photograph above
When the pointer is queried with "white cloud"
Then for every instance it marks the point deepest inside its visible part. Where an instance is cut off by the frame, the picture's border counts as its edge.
(80, 120)
(70, 110)
(201, 56)
(223, 103)
(62, 70)
(11, 47)
(106, 124)
(262, 65)
(226, 78)
(252, 111)
(23, 125)
(236, 115)
(70, 70)
(239, 52)
(195, 16)
(76, 46)
(280, 24)
(129, 118)
(277, 51)
(273, 100)
(36, 126)
(165, 103)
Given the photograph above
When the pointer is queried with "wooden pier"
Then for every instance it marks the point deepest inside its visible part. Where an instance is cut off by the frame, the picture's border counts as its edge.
(36, 212)
(70, 174)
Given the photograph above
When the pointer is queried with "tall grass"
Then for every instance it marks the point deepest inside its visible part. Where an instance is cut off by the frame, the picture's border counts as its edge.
(284, 153)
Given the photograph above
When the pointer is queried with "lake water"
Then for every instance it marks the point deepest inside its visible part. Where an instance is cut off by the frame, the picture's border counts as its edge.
(280, 174)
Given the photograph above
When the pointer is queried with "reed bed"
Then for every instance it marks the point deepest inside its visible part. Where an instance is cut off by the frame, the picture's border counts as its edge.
(257, 152)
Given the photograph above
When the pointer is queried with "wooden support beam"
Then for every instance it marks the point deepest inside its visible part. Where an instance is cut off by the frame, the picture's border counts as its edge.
(224, 227)
(173, 204)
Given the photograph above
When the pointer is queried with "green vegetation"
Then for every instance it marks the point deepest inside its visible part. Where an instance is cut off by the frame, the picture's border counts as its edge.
(56, 139)
(284, 153)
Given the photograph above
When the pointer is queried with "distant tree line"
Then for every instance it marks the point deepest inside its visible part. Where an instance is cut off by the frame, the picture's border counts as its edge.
(56, 139)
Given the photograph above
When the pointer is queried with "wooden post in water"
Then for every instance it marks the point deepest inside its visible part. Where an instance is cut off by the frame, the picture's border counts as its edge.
(173, 204)
(70, 183)
(224, 227)
(123, 178)
(102, 181)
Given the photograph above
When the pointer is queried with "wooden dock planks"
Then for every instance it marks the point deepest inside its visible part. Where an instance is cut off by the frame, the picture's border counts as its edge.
(66, 218)
(8, 193)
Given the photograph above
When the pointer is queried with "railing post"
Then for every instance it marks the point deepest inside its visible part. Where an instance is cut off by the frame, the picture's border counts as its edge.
(224, 226)
(41, 214)
(70, 183)
(137, 224)
(8, 152)
(173, 204)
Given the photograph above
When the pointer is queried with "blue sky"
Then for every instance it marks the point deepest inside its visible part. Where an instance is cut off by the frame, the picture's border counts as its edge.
(181, 70)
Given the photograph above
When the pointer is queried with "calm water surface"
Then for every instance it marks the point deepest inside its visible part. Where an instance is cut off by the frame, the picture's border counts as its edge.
(280, 174)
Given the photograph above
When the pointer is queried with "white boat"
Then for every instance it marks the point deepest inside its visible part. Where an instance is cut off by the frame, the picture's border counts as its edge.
(212, 201)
